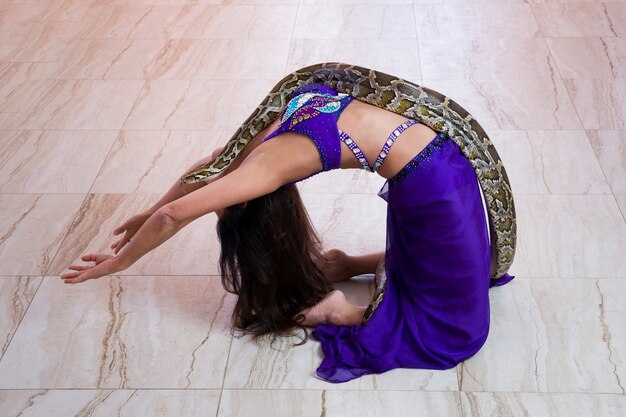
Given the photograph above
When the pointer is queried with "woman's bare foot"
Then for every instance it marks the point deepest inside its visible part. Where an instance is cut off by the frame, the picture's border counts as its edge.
(339, 266)
(333, 309)
(336, 266)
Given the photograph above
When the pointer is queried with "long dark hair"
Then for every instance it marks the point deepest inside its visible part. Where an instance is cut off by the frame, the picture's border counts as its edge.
(269, 258)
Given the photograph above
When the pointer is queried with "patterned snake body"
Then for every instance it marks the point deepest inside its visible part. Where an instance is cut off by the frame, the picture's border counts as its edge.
(430, 107)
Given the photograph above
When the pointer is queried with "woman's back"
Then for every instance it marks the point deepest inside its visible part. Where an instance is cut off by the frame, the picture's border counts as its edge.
(369, 127)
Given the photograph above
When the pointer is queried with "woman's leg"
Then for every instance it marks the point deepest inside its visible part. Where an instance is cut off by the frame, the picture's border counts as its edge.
(334, 307)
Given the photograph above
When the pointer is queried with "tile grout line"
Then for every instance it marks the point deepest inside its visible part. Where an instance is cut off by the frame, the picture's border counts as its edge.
(8, 345)
(219, 401)
(293, 30)
(119, 131)
(417, 43)
(460, 397)
(46, 271)
(356, 390)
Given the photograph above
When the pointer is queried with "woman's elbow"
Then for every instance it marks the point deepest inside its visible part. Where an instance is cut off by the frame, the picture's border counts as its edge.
(167, 217)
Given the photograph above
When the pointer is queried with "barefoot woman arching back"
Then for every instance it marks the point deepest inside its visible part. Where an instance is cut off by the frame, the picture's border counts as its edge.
(435, 309)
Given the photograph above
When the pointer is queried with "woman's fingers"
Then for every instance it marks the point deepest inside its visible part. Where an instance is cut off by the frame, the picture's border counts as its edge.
(73, 279)
(104, 267)
(78, 267)
(122, 242)
(95, 257)
(71, 274)
(122, 227)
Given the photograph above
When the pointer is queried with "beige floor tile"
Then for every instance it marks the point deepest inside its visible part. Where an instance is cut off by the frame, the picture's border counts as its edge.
(580, 19)
(550, 162)
(392, 403)
(147, 21)
(553, 405)
(106, 403)
(189, 59)
(337, 403)
(122, 332)
(110, 59)
(200, 20)
(76, 104)
(259, 2)
(150, 161)
(486, 59)
(478, 2)
(601, 104)
(247, 21)
(347, 2)
(352, 222)
(284, 366)
(58, 161)
(12, 29)
(621, 201)
(291, 403)
(16, 293)
(616, 11)
(22, 12)
(581, 236)
(32, 227)
(399, 57)
(344, 181)
(610, 149)
(71, 11)
(612, 315)
(592, 57)
(361, 21)
(45, 42)
(13, 74)
(474, 20)
(196, 104)
(192, 251)
(538, 345)
(513, 104)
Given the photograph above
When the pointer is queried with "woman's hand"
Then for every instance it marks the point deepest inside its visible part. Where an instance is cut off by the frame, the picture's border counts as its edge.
(104, 265)
(130, 226)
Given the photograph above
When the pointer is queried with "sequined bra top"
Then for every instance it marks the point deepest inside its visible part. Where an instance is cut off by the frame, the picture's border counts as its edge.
(313, 111)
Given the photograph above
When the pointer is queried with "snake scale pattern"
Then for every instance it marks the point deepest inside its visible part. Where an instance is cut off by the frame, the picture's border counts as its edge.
(430, 107)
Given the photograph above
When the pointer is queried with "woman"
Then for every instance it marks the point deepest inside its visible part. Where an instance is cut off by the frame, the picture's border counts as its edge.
(435, 312)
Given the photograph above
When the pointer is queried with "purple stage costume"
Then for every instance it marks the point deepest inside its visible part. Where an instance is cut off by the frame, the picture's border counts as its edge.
(435, 310)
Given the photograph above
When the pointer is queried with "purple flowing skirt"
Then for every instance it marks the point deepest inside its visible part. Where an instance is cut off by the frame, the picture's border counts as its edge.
(435, 311)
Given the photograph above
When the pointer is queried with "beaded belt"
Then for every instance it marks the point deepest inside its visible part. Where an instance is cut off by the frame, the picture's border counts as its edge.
(385, 150)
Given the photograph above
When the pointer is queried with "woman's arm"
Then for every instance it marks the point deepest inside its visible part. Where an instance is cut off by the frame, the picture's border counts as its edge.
(180, 189)
(284, 159)
(248, 181)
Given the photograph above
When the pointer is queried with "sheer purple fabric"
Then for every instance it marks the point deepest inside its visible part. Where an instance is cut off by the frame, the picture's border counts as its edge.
(435, 312)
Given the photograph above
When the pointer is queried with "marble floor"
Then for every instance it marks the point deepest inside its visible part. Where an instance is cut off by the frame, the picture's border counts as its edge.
(103, 103)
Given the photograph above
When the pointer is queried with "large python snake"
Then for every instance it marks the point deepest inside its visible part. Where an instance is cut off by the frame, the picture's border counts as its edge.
(430, 107)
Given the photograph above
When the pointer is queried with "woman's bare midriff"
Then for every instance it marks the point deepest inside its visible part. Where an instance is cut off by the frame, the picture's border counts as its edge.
(369, 126)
